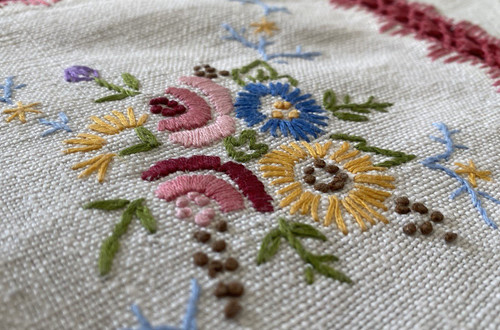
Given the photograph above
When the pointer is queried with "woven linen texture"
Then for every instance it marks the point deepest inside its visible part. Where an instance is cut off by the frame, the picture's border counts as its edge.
(49, 245)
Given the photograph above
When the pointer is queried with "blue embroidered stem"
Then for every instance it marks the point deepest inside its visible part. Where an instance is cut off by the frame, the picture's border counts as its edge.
(433, 163)
(7, 89)
(56, 125)
(262, 44)
(189, 321)
(267, 9)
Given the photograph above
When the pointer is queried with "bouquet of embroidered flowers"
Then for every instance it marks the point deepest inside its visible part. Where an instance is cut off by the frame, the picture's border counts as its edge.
(289, 189)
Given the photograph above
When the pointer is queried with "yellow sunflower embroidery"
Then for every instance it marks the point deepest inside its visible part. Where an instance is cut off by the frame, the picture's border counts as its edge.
(349, 189)
(109, 125)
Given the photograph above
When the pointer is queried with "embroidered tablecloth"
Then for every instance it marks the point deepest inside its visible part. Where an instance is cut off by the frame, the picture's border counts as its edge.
(347, 176)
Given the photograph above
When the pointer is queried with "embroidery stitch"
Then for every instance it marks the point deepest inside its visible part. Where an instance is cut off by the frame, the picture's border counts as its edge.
(246, 136)
(111, 244)
(433, 163)
(189, 321)
(20, 111)
(149, 142)
(261, 76)
(89, 142)
(473, 172)
(267, 9)
(226, 196)
(290, 231)
(459, 42)
(191, 129)
(358, 201)
(262, 44)
(299, 123)
(7, 89)
(398, 157)
(247, 182)
(128, 79)
(56, 125)
(264, 26)
(330, 103)
(79, 73)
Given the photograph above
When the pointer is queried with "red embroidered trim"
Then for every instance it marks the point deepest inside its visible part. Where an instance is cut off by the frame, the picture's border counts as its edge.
(248, 183)
(466, 41)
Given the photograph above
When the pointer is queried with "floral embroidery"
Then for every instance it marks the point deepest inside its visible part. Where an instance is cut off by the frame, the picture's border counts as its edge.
(20, 111)
(473, 173)
(398, 157)
(349, 188)
(434, 163)
(246, 181)
(7, 89)
(296, 116)
(291, 231)
(111, 244)
(149, 142)
(330, 103)
(262, 44)
(109, 125)
(264, 26)
(79, 73)
(56, 125)
(246, 136)
(189, 321)
(265, 72)
(192, 128)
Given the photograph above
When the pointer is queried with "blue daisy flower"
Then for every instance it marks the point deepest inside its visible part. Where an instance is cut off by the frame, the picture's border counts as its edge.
(294, 114)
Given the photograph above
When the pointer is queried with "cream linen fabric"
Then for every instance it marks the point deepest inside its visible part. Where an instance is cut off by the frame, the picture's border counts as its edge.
(49, 245)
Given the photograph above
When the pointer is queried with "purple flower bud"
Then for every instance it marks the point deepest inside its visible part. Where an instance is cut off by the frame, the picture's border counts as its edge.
(80, 73)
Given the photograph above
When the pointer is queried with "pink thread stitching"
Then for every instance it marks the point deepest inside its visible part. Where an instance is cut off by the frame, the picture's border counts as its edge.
(469, 42)
(197, 115)
(203, 136)
(248, 183)
(222, 192)
(218, 95)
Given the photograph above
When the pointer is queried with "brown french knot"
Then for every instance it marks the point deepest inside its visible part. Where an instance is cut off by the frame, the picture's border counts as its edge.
(233, 289)
(208, 71)
(337, 183)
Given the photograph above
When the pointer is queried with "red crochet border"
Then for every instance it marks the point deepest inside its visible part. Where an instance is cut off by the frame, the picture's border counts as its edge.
(464, 41)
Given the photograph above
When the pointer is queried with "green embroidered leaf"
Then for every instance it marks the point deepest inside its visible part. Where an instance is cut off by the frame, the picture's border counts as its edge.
(146, 218)
(303, 230)
(309, 273)
(264, 73)
(269, 247)
(130, 81)
(246, 136)
(108, 250)
(149, 142)
(329, 272)
(329, 100)
(111, 204)
(141, 147)
(398, 157)
(146, 136)
(324, 258)
(350, 116)
(122, 226)
(113, 97)
(346, 137)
